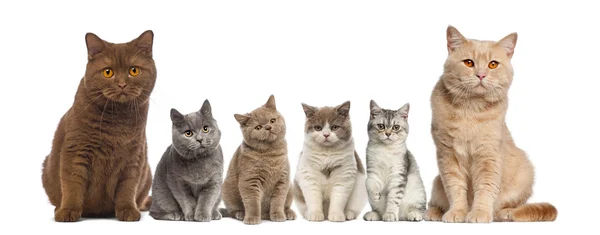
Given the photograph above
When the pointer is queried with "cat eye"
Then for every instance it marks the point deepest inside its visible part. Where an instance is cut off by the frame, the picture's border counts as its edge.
(273, 120)
(493, 64)
(469, 63)
(258, 127)
(108, 72)
(134, 71)
(335, 127)
(396, 127)
(318, 128)
(380, 126)
(205, 129)
(188, 133)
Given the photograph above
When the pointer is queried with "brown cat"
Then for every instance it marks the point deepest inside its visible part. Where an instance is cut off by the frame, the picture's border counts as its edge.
(98, 165)
(258, 179)
(483, 175)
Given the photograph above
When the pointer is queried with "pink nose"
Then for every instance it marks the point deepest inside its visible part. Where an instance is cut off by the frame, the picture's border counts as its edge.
(326, 135)
(481, 76)
(122, 85)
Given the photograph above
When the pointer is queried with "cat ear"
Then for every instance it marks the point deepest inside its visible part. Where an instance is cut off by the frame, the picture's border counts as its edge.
(343, 109)
(404, 111)
(455, 39)
(270, 103)
(309, 111)
(508, 43)
(144, 41)
(206, 110)
(242, 119)
(94, 44)
(176, 117)
(375, 109)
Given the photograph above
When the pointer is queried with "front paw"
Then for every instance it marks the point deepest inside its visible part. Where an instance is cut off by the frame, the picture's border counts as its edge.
(277, 217)
(189, 216)
(454, 216)
(202, 217)
(479, 216)
(239, 215)
(290, 214)
(67, 215)
(250, 220)
(128, 214)
(372, 216)
(216, 215)
(336, 217)
(315, 216)
(414, 216)
(390, 217)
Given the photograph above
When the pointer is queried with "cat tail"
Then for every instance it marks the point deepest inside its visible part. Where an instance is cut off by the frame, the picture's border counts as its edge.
(146, 204)
(534, 212)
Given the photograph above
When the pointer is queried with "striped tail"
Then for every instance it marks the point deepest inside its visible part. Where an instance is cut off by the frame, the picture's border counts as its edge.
(534, 212)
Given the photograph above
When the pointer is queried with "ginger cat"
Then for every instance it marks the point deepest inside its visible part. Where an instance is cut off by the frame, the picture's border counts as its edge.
(483, 177)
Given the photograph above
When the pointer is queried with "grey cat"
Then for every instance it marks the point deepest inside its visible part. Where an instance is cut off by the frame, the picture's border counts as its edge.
(188, 178)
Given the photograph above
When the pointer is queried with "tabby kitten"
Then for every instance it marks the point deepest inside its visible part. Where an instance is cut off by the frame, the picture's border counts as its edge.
(258, 178)
(330, 178)
(483, 175)
(188, 178)
(394, 184)
(98, 164)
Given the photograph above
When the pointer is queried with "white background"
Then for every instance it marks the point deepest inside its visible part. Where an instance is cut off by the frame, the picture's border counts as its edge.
(237, 53)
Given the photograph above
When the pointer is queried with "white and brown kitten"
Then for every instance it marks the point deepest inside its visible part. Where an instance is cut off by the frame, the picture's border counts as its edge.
(329, 181)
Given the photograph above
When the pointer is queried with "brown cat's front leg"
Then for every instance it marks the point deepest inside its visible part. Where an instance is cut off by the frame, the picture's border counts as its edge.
(251, 192)
(278, 198)
(486, 173)
(74, 180)
(125, 205)
(455, 184)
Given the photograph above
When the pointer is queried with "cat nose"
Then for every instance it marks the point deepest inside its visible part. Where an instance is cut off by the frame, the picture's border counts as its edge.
(326, 135)
(268, 127)
(122, 84)
(481, 76)
(388, 134)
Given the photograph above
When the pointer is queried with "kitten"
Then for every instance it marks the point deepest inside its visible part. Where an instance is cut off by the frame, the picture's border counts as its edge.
(98, 164)
(483, 175)
(330, 178)
(188, 178)
(258, 181)
(394, 184)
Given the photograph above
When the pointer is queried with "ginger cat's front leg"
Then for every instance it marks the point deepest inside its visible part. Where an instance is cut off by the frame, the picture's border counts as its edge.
(486, 176)
(455, 184)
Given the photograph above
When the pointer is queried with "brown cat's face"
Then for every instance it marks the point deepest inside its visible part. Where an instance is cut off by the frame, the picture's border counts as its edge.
(264, 124)
(478, 68)
(120, 72)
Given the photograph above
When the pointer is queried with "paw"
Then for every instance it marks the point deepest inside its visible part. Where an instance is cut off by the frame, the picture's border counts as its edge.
(189, 217)
(290, 214)
(390, 217)
(66, 215)
(216, 215)
(250, 220)
(479, 216)
(372, 216)
(336, 217)
(239, 215)
(177, 216)
(202, 217)
(503, 215)
(128, 214)
(433, 214)
(315, 216)
(414, 216)
(454, 216)
(277, 217)
(375, 196)
(350, 215)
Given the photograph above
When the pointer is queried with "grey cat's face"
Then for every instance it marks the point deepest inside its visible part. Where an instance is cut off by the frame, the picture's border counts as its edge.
(328, 126)
(388, 126)
(196, 132)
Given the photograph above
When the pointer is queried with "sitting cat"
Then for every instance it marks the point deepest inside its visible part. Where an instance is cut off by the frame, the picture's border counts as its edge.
(258, 179)
(188, 178)
(394, 184)
(330, 178)
(484, 176)
(98, 165)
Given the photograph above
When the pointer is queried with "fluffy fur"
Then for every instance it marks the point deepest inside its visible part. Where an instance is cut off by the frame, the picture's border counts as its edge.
(329, 181)
(258, 179)
(98, 164)
(394, 184)
(483, 177)
(188, 178)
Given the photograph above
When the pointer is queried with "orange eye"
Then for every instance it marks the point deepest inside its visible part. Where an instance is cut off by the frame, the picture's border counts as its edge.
(134, 71)
(468, 63)
(107, 72)
(493, 64)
